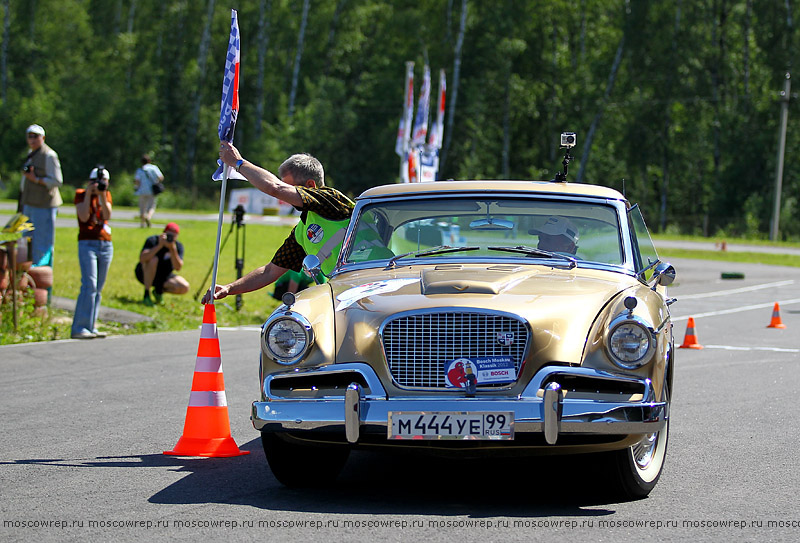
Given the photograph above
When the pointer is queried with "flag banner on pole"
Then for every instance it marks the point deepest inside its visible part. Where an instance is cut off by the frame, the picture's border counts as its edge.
(421, 121)
(428, 164)
(437, 130)
(404, 130)
(229, 109)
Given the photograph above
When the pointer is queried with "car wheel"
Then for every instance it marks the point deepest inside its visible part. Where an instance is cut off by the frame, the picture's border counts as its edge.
(639, 466)
(296, 464)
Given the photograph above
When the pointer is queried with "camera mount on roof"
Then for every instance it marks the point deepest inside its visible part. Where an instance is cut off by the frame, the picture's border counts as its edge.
(568, 141)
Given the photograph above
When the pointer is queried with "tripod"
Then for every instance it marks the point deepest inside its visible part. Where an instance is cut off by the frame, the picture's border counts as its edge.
(238, 221)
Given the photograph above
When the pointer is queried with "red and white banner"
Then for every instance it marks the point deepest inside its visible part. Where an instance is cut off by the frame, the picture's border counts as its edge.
(404, 130)
(420, 132)
(437, 130)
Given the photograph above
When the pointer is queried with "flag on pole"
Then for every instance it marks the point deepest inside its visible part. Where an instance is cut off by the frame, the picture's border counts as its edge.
(404, 130)
(437, 130)
(229, 109)
(421, 121)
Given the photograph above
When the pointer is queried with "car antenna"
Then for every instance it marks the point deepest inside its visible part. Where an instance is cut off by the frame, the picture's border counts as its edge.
(568, 140)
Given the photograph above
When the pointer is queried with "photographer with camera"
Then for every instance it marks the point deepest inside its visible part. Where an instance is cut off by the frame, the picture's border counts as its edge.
(161, 256)
(95, 251)
(39, 195)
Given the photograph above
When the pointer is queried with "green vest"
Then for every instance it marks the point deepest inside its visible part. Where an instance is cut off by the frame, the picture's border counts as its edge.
(322, 237)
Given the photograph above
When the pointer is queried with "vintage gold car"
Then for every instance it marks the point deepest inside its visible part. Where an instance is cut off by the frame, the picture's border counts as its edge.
(476, 317)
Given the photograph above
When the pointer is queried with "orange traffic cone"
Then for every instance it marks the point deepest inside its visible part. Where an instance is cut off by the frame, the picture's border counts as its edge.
(690, 339)
(776, 318)
(207, 430)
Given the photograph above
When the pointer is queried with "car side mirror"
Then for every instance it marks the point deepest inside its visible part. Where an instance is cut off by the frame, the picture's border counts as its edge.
(663, 274)
(312, 267)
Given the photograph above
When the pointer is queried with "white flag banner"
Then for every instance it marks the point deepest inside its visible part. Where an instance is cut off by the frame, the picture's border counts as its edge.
(420, 132)
(437, 130)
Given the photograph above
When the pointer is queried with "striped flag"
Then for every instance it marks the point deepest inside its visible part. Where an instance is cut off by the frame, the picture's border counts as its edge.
(437, 130)
(229, 109)
(404, 130)
(421, 121)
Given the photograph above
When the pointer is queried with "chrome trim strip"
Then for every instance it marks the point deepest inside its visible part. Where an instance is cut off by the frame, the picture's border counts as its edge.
(376, 390)
(578, 416)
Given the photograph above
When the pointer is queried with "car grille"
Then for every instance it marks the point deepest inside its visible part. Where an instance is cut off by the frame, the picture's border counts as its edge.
(418, 345)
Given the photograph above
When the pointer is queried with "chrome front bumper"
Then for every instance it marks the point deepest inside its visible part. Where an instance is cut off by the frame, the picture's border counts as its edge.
(542, 408)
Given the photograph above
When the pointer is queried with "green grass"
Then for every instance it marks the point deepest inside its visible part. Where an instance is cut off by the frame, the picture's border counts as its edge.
(727, 256)
(728, 239)
(123, 291)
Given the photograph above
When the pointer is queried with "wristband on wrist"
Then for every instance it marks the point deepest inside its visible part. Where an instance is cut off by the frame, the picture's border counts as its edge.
(238, 164)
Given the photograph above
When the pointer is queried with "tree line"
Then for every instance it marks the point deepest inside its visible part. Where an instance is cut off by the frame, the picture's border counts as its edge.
(676, 103)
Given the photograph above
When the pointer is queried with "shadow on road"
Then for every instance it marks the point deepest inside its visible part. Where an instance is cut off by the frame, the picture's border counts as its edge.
(382, 484)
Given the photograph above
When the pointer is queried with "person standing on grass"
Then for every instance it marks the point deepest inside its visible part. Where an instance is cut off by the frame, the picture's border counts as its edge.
(144, 179)
(95, 251)
(39, 196)
(161, 257)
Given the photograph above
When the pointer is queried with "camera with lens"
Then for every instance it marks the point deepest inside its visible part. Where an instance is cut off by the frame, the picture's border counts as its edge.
(102, 182)
(170, 237)
(27, 168)
(568, 139)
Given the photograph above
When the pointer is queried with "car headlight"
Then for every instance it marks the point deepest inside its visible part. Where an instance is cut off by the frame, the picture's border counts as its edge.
(630, 344)
(287, 337)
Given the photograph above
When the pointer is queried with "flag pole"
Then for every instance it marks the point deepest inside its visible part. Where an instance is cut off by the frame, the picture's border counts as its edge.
(219, 229)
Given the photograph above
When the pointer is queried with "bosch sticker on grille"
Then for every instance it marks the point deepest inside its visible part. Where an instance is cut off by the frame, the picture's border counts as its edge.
(493, 369)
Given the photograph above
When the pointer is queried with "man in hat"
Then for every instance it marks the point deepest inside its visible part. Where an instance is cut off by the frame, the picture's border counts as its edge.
(557, 235)
(39, 195)
(161, 257)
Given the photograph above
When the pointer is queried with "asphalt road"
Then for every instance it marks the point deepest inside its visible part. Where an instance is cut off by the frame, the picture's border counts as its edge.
(84, 425)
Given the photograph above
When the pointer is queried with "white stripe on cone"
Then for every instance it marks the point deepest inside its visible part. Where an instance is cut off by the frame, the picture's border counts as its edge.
(207, 398)
(212, 364)
(208, 331)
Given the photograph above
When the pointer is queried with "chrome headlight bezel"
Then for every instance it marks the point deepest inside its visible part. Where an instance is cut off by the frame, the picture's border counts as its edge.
(302, 328)
(634, 324)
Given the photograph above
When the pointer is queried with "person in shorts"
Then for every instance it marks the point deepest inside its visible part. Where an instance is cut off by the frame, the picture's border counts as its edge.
(161, 257)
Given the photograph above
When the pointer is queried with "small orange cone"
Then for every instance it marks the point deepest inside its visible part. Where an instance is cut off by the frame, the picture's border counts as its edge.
(690, 339)
(776, 318)
(207, 429)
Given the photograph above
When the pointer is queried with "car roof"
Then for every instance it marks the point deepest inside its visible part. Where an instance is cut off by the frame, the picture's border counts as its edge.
(522, 187)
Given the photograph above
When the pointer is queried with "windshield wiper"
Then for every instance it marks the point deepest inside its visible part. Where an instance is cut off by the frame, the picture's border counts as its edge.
(533, 251)
(428, 252)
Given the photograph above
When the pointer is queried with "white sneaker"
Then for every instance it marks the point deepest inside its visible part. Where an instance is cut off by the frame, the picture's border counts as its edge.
(84, 335)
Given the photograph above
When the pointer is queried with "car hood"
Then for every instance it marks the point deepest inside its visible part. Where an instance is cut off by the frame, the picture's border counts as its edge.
(559, 304)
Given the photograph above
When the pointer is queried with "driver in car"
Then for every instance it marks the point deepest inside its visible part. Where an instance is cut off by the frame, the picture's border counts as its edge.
(557, 235)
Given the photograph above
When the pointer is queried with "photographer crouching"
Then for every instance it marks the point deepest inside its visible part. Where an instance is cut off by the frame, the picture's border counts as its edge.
(95, 251)
(161, 257)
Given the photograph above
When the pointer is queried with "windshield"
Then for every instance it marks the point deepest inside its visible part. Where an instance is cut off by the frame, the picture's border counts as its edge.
(583, 231)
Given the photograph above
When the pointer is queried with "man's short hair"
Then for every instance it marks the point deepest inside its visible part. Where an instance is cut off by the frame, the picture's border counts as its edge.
(146, 159)
(303, 167)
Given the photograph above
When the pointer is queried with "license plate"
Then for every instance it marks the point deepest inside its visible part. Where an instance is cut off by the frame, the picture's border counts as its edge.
(451, 425)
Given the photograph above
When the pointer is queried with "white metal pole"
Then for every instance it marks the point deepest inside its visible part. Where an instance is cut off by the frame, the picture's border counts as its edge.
(219, 229)
(776, 208)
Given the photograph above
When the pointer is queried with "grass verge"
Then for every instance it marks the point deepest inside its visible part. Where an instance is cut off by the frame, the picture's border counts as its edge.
(123, 291)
